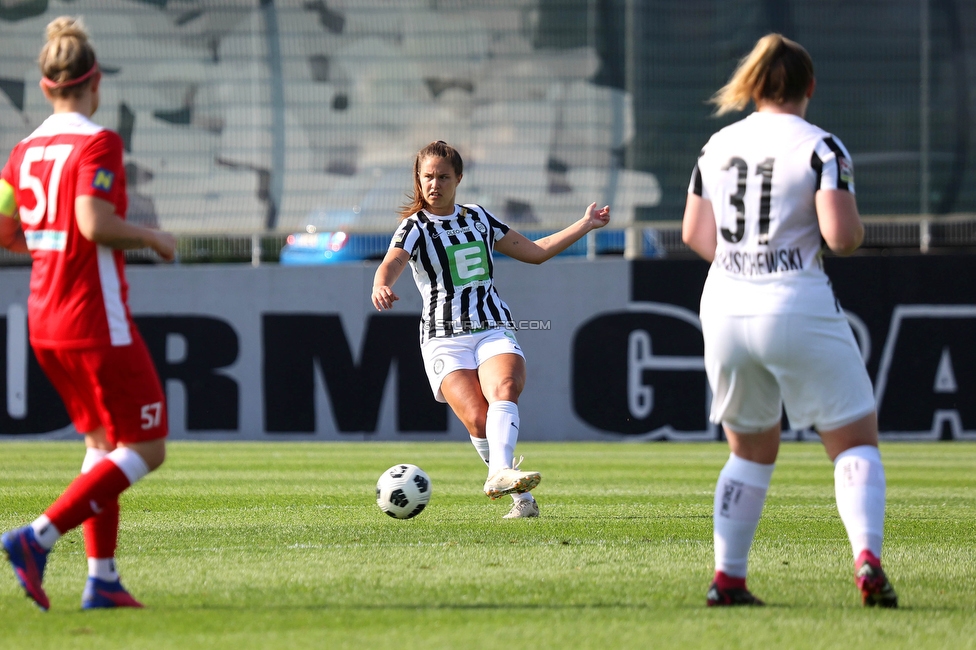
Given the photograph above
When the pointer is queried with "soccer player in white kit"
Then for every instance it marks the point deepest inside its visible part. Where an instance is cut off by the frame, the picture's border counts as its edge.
(467, 339)
(767, 191)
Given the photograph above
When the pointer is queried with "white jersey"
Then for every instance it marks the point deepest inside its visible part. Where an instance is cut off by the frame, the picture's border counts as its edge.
(452, 264)
(761, 175)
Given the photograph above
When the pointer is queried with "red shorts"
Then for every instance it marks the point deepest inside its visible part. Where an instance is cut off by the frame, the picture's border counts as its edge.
(114, 387)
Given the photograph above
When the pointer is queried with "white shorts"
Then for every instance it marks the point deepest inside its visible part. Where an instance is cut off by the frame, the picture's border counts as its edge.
(444, 355)
(810, 364)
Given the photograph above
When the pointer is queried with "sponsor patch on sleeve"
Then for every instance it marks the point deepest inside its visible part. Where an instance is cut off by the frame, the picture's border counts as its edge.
(846, 170)
(103, 180)
(398, 238)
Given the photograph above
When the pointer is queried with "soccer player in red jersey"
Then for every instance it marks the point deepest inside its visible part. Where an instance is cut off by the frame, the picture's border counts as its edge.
(63, 199)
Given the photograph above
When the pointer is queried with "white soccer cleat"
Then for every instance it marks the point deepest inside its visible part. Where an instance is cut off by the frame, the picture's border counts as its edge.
(522, 509)
(508, 480)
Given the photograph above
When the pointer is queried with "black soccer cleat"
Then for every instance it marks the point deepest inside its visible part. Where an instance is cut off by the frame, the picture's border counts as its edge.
(717, 597)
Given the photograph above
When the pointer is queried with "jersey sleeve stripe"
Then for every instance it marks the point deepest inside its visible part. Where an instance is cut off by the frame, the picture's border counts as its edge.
(696, 181)
(405, 236)
(838, 156)
(495, 223)
(817, 165)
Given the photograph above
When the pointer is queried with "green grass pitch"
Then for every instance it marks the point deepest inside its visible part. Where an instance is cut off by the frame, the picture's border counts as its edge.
(281, 545)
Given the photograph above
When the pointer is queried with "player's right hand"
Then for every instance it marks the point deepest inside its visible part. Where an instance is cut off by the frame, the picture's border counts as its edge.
(383, 298)
(164, 244)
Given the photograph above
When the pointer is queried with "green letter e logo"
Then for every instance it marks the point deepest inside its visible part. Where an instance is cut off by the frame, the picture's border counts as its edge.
(469, 262)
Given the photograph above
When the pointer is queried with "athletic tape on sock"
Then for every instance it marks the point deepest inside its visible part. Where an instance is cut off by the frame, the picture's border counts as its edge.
(93, 456)
(130, 462)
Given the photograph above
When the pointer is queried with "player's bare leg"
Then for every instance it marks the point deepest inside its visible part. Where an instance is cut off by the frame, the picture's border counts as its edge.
(462, 390)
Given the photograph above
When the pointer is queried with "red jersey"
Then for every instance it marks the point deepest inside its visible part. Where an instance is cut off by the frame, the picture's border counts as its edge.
(78, 292)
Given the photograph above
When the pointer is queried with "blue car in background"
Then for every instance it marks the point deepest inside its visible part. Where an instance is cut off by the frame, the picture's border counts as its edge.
(327, 240)
(316, 248)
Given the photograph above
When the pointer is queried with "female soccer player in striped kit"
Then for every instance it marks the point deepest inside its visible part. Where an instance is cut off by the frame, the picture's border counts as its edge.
(62, 198)
(765, 190)
(472, 358)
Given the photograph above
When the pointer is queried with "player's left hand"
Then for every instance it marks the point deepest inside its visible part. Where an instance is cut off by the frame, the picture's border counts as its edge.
(597, 217)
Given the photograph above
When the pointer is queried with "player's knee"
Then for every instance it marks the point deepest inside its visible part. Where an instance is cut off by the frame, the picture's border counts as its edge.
(158, 461)
(153, 453)
(507, 389)
(160, 457)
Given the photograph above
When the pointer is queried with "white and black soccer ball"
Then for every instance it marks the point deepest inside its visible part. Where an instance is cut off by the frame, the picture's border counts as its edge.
(403, 491)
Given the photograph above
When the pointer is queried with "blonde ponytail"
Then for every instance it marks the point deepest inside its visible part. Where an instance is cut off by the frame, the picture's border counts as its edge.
(777, 70)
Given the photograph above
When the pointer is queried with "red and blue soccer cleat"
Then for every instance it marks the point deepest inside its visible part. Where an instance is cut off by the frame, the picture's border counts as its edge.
(875, 588)
(102, 594)
(27, 558)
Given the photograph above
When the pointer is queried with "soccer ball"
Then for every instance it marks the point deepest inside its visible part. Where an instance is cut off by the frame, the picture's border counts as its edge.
(403, 491)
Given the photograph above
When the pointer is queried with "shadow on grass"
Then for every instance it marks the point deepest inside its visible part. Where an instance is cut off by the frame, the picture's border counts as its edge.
(527, 606)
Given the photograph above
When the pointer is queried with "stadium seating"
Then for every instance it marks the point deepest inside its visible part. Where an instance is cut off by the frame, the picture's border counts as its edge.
(244, 118)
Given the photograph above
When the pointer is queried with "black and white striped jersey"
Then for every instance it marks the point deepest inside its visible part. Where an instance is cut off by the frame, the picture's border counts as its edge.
(761, 175)
(451, 259)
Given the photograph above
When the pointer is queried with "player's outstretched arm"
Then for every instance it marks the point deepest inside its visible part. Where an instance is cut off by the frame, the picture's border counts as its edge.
(98, 222)
(519, 247)
(386, 276)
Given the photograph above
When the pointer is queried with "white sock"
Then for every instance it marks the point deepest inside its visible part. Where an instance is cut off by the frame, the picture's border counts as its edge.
(524, 496)
(481, 446)
(103, 569)
(501, 428)
(92, 458)
(739, 497)
(44, 532)
(859, 486)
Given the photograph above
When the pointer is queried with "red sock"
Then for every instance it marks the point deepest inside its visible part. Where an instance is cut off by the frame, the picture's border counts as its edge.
(102, 532)
(88, 495)
(729, 582)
